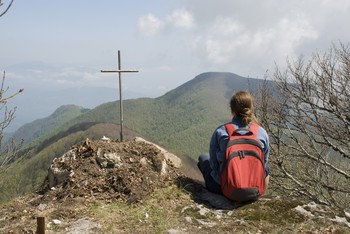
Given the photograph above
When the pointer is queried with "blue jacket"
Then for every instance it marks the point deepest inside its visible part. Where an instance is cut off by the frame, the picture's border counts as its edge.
(218, 144)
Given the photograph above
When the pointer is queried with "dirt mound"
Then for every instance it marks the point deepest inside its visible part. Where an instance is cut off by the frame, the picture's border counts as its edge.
(106, 169)
(87, 187)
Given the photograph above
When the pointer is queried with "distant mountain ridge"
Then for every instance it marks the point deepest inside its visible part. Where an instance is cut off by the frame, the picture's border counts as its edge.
(182, 121)
(39, 127)
(171, 117)
(47, 87)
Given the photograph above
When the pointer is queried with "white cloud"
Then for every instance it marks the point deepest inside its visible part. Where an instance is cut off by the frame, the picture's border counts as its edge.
(246, 35)
(181, 19)
(15, 75)
(227, 41)
(66, 72)
(92, 76)
(150, 25)
(291, 33)
(342, 5)
(61, 77)
(225, 26)
(66, 82)
(235, 35)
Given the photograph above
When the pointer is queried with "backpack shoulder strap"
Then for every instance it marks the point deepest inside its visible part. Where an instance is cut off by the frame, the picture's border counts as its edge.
(230, 128)
(254, 127)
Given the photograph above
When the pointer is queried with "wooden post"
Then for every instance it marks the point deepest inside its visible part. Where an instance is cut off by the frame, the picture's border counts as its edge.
(40, 221)
(119, 71)
(121, 115)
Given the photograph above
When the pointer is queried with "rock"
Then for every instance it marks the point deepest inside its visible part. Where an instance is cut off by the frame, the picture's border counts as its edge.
(163, 170)
(84, 225)
(303, 211)
(203, 211)
(347, 216)
(42, 206)
(218, 201)
(104, 138)
(321, 211)
(176, 161)
(206, 223)
(341, 220)
(109, 160)
(175, 231)
(188, 219)
(56, 176)
(56, 222)
(143, 161)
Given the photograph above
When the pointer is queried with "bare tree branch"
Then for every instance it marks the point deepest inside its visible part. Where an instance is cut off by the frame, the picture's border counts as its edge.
(308, 121)
(8, 7)
(9, 149)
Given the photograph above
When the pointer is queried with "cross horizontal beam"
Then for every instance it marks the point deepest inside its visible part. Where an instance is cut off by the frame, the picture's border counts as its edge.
(119, 71)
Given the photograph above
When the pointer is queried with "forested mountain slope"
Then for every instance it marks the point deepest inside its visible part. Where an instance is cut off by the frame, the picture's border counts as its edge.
(181, 121)
(41, 127)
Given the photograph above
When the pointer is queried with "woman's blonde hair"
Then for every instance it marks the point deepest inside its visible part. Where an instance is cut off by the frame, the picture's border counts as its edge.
(241, 104)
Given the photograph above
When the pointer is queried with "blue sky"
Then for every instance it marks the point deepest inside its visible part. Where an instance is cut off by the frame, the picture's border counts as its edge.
(65, 44)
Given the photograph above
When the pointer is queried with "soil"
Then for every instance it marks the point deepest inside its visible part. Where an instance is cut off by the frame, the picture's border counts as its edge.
(137, 171)
(109, 186)
(133, 175)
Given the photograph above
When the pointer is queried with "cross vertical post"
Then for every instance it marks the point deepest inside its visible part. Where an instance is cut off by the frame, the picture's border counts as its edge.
(119, 71)
(121, 115)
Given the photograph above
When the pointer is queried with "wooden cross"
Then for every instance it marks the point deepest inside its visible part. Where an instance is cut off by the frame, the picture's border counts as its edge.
(119, 71)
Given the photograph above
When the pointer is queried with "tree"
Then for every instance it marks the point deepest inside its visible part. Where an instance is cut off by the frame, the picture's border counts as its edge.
(8, 149)
(309, 126)
(6, 8)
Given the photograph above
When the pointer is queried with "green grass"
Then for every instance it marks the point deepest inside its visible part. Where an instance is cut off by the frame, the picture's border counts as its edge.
(153, 215)
(274, 211)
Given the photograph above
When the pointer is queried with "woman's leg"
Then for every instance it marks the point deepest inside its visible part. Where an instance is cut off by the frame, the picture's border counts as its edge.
(204, 167)
(267, 179)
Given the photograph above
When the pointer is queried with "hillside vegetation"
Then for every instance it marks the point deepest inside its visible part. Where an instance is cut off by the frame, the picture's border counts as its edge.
(182, 121)
(38, 128)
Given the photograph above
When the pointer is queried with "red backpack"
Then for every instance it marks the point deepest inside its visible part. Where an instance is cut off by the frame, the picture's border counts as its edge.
(243, 170)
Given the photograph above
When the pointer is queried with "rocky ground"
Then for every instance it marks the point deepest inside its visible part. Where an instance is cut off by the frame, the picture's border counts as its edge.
(137, 187)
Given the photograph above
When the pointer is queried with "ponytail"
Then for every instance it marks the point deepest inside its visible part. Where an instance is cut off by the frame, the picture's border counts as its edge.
(241, 104)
